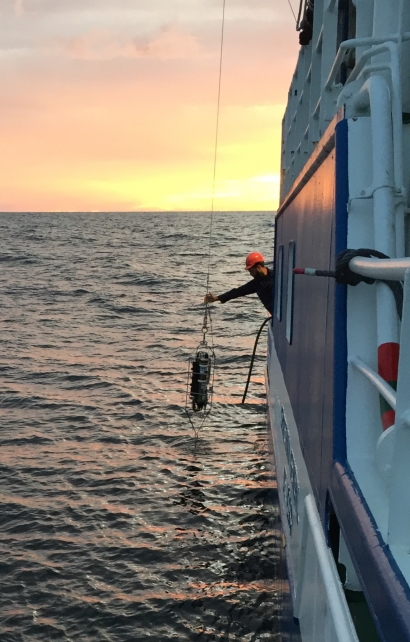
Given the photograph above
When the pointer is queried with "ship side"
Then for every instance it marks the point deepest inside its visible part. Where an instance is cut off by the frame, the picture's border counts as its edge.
(338, 369)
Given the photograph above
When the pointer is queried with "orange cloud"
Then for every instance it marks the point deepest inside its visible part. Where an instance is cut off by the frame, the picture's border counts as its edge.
(116, 110)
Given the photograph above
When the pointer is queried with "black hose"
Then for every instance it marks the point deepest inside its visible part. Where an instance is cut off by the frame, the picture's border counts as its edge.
(253, 358)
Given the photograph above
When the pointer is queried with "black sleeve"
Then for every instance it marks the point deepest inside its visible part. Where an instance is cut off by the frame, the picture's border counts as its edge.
(249, 288)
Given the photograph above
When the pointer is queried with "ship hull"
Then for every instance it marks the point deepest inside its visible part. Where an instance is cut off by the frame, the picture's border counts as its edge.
(336, 555)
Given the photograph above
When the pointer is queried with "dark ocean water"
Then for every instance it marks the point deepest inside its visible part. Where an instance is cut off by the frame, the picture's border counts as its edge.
(115, 523)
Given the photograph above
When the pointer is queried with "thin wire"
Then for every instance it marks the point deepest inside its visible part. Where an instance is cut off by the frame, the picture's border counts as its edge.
(207, 312)
(291, 8)
(216, 142)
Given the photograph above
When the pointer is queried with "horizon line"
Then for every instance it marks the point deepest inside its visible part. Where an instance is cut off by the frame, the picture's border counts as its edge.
(138, 212)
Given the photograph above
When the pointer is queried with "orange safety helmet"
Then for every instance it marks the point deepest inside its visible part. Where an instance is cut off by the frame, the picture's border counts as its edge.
(252, 259)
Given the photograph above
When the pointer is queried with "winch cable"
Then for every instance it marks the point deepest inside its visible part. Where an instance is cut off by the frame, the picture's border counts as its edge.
(291, 8)
(218, 111)
(253, 358)
(207, 311)
(207, 319)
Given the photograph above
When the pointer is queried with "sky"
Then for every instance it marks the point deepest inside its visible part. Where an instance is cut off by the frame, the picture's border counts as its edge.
(111, 105)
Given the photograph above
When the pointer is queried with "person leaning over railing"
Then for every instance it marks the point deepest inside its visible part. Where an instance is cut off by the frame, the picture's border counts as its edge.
(261, 284)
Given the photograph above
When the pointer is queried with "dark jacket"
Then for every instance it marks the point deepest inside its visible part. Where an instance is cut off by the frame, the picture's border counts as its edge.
(263, 287)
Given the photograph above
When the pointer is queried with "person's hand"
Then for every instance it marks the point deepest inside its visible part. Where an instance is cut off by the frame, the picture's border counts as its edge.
(210, 298)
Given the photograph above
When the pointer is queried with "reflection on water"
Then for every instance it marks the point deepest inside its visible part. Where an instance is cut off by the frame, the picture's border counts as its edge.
(116, 523)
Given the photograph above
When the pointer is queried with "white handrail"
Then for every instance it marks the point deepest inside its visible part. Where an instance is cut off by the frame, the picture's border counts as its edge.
(354, 43)
(366, 55)
(394, 68)
(375, 45)
(379, 383)
(388, 269)
(342, 623)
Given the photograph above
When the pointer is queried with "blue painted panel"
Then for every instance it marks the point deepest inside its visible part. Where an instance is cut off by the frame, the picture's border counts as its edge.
(279, 282)
(340, 329)
(307, 363)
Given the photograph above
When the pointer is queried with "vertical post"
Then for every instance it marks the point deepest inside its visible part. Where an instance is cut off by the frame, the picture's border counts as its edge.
(385, 237)
(375, 93)
(399, 515)
(385, 17)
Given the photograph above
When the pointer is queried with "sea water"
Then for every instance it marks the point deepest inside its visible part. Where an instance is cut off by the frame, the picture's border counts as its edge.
(116, 524)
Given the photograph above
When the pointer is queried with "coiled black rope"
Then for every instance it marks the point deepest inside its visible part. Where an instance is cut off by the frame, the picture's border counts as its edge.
(253, 358)
(345, 276)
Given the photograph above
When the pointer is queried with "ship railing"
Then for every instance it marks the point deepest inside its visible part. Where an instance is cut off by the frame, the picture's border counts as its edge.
(383, 102)
(393, 446)
(333, 95)
(388, 269)
(363, 69)
(386, 391)
(377, 45)
(317, 568)
(354, 43)
(391, 270)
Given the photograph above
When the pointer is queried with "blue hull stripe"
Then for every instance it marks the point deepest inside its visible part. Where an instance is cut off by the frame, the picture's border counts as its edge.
(384, 585)
(340, 326)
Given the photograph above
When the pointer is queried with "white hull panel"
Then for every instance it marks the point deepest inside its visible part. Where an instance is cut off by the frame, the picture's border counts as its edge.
(317, 594)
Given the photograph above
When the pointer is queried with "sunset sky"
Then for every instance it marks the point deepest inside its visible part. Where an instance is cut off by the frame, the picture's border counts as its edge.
(110, 105)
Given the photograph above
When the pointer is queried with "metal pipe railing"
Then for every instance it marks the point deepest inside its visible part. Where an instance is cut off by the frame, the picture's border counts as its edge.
(380, 384)
(313, 542)
(377, 44)
(387, 269)
(354, 43)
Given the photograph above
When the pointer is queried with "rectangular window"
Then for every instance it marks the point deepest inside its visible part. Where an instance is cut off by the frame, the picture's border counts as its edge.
(289, 298)
(279, 283)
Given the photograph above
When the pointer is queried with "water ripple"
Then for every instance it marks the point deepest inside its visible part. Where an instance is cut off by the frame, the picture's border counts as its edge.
(116, 523)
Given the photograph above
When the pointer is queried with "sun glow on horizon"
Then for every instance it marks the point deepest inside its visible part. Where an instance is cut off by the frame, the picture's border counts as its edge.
(115, 110)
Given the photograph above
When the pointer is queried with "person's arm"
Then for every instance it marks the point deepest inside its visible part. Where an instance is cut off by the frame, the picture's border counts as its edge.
(248, 288)
(210, 298)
